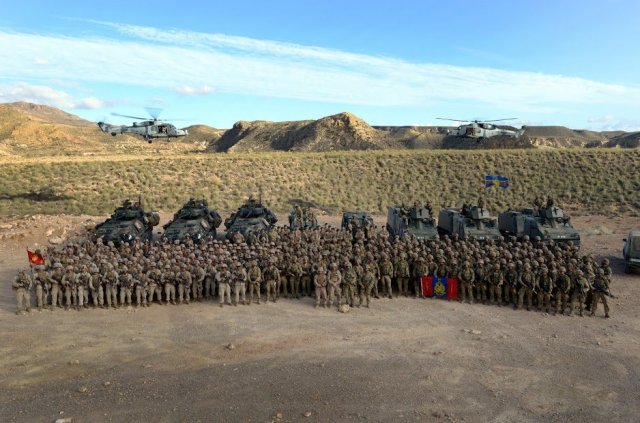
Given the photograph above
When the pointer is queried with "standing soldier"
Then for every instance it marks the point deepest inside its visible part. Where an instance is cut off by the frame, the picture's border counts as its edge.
(305, 278)
(600, 292)
(169, 286)
(334, 278)
(581, 287)
(22, 286)
(68, 283)
(386, 270)
(527, 286)
(41, 280)
(141, 284)
(295, 273)
(95, 285)
(111, 286)
(419, 270)
(320, 283)
(182, 282)
(83, 281)
(402, 275)
(481, 284)
(350, 284)
(512, 280)
(209, 280)
(545, 288)
(255, 278)
(126, 285)
(563, 289)
(466, 276)
(152, 278)
(223, 279)
(240, 283)
(368, 281)
(56, 284)
(271, 276)
(496, 280)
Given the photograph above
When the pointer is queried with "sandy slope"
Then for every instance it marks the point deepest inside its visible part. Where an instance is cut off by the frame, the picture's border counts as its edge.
(401, 360)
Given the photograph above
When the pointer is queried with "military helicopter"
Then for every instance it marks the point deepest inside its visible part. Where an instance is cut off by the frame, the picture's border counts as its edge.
(147, 129)
(480, 130)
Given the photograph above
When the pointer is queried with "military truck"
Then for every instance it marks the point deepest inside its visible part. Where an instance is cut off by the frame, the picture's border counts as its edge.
(302, 219)
(128, 222)
(548, 223)
(358, 218)
(631, 251)
(468, 222)
(252, 216)
(195, 220)
(416, 221)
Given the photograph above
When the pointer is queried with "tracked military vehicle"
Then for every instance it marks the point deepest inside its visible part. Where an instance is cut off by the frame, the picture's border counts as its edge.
(252, 216)
(415, 221)
(358, 218)
(302, 219)
(194, 220)
(548, 223)
(128, 222)
(469, 222)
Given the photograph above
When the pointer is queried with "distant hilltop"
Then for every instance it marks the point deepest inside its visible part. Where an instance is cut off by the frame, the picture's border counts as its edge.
(33, 129)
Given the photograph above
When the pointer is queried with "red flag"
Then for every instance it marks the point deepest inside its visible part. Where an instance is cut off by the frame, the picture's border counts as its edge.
(35, 258)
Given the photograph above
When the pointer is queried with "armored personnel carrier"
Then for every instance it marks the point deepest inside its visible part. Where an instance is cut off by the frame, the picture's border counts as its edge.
(302, 219)
(195, 220)
(252, 216)
(358, 218)
(549, 223)
(128, 222)
(416, 221)
(469, 222)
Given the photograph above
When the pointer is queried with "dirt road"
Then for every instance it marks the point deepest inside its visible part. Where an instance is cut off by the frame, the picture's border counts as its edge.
(401, 360)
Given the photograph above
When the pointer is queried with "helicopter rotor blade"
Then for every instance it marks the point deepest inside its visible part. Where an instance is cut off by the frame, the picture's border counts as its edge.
(455, 120)
(499, 120)
(130, 117)
(154, 112)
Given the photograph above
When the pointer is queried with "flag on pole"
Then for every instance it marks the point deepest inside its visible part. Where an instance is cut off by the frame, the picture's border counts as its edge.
(498, 181)
(439, 287)
(35, 258)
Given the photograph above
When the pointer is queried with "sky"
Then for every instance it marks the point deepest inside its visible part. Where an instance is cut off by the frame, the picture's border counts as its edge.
(563, 62)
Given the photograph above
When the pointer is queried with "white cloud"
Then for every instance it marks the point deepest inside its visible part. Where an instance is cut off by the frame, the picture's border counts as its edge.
(195, 62)
(40, 62)
(42, 94)
(189, 90)
(610, 122)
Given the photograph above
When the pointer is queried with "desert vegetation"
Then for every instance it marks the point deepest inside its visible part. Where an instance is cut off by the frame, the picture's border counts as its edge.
(589, 180)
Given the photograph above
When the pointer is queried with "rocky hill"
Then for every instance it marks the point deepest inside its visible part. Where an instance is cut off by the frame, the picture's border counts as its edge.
(28, 129)
(346, 131)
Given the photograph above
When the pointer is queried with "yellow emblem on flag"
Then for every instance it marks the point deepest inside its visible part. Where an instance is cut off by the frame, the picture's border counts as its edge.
(439, 289)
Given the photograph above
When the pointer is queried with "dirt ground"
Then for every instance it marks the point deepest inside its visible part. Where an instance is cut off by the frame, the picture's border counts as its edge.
(401, 360)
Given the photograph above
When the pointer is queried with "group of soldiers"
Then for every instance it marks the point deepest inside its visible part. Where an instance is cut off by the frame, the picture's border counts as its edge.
(335, 266)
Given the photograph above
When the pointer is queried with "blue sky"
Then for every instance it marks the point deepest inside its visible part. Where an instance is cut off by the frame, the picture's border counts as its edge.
(572, 63)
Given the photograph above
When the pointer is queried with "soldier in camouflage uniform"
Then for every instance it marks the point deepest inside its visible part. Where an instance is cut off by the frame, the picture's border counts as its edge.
(581, 286)
(563, 290)
(68, 283)
(255, 278)
(41, 280)
(240, 281)
(223, 279)
(466, 277)
(402, 275)
(528, 285)
(320, 283)
(600, 292)
(495, 280)
(334, 279)
(271, 276)
(545, 289)
(22, 286)
(386, 271)
(350, 284)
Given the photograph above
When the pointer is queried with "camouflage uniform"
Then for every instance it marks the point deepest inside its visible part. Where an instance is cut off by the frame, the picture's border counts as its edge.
(240, 284)
(22, 286)
(402, 274)
(68, 283)
(320, 283)
(545, 289)
(271, 276)
(350, 283)
(386, 270)
(466, 277)
(496, 280)
(581, 287)
(528, 284)
(255, 278)
(223, 279)
(334, 278)
(600, 292)
(563, 290)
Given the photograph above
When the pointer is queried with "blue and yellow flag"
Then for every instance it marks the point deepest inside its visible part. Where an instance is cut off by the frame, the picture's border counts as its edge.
(499, 181)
